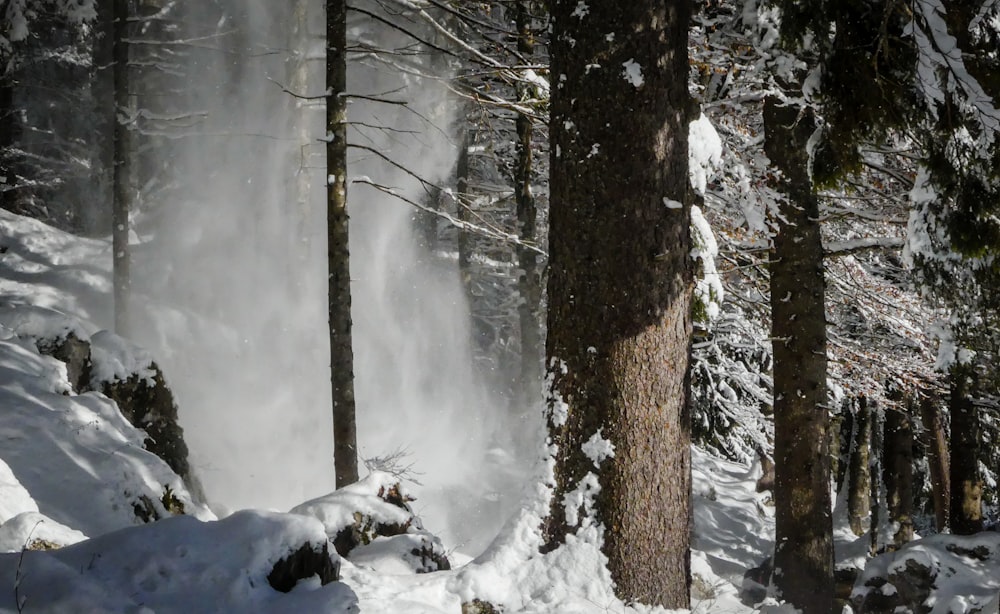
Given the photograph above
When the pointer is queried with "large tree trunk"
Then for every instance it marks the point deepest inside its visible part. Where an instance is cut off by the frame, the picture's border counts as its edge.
(803, 557)
(530, 280)
(966, 483)
(620, 282)
(897, 471)
(859, 474)
(345, 438)
(121, 175)
(936, 444)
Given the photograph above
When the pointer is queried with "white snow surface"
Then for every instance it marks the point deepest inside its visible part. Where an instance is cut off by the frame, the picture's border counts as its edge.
(72, 467)
(965, 570)
(181, 565)
(704, 152)
(708, 289)
(632, 72)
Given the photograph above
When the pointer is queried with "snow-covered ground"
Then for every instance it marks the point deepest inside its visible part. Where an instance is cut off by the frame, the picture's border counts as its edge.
(73, 475)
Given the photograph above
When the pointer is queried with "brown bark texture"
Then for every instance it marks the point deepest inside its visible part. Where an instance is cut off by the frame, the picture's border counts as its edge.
(877, 417)
(345, 438)
(859, 473)
(803, 557)
(619, 285)
(897, 472)
(936, 443)
(966, 482)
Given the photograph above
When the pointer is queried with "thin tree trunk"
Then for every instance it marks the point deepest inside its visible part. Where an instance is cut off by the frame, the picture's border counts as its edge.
(8, 182)
(859, 480)
(876, 415)
(302, 125)
(620, 282)
(936, 442)
(897, 473)
(966, 483)
(121, 192)
(105, 113)
(345, 438)
(530, 281)
(463, 203)
(803, 558)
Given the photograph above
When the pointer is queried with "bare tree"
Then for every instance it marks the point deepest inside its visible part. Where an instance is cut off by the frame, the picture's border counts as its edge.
(345, 438)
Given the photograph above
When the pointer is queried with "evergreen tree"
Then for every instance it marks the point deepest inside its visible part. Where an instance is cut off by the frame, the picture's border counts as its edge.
(620, 283)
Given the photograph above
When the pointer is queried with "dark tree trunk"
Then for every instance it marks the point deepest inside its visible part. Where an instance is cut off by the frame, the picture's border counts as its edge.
(463, 202)
(936, 443)
(121, 175)
(803, 519)
(102, 93)
(530, 280)
(875, 461)
(966, 483)
(897, 472)
(859, 475)
(345, 438)
(620, 282)
(8, 133)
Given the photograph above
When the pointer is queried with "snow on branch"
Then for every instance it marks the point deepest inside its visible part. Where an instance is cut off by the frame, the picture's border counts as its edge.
(939, 52)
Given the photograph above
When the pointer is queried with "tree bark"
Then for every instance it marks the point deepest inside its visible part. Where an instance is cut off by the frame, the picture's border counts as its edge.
(936, 442)
(345, 438)
(121, 175)
(897, 472)
(859, 475)
(620, 283)
(530, 279)
(803, 521)
(875, 462)
(966, 482)
(463, 203)
(8, 131)
(105, 114)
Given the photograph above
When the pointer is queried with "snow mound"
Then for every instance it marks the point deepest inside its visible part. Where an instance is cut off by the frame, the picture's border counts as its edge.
(180, 565)
(941, 574)
(78, 459)
(371, 523)
(336, 510)
(34, 531)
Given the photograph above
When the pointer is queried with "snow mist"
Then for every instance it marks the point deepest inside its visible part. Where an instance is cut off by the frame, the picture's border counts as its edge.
(231, 286)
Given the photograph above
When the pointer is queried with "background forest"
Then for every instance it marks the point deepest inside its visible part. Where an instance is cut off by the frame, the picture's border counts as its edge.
(666, 305)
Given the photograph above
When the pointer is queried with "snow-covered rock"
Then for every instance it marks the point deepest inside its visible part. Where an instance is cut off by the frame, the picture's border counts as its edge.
(941, 574)
(180, 565)
(371, 523)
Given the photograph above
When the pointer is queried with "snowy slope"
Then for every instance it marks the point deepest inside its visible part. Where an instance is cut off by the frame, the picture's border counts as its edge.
(72, 471)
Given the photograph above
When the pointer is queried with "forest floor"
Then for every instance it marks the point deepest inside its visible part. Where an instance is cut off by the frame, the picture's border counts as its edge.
(74, 477)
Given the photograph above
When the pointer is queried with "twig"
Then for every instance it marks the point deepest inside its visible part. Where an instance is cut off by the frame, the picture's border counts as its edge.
(17, 575)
